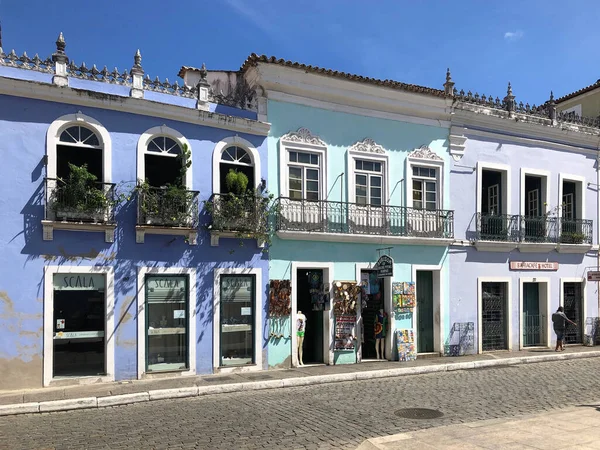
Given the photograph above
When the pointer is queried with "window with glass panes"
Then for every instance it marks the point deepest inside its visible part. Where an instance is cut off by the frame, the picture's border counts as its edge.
(304, 175)
(368, 181)
(424, 188)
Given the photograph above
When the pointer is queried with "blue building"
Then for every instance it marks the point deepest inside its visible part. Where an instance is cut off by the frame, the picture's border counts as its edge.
(131, 240)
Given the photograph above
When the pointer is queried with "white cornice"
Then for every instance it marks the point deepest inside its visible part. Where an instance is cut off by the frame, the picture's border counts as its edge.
(52, 93)
(298, 86)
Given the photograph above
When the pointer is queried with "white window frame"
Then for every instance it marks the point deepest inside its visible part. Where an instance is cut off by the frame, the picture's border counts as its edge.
(258, 319)
(542, 290)
(109, 333)
(438, 165)
(142, 150)
(505, 193)
(579, 193)
(61, 124)
(545, 190)
(383, 159)
(141, 317)
(306, 143)
(233, 141)
(480, 281)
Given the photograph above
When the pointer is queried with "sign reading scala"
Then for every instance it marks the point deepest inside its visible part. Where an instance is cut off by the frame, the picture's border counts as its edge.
(78, 282)
(524, 265)
(384, 266)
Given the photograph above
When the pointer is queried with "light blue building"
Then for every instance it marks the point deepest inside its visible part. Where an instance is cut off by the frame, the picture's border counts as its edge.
(113, 267)
(360, 170)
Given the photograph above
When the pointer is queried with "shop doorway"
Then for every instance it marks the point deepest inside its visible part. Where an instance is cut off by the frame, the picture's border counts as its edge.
(425, 331)
(573, 304)
(534, 328)
(494, 317)
(309, 289)
(375, 302)
(79, 325)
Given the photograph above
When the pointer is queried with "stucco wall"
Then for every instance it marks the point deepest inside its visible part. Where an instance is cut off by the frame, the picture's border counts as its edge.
(23, 127)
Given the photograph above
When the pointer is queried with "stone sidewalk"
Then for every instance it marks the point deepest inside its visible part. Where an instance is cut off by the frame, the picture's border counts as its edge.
(60, 398)
(571, 428)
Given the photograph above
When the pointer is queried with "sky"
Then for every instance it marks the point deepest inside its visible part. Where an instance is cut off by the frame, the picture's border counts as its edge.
(537, 45)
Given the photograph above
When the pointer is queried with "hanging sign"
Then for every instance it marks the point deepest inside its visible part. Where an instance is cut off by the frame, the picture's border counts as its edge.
(524, 265)
(593, 276)
(78, 282)
(384, 266)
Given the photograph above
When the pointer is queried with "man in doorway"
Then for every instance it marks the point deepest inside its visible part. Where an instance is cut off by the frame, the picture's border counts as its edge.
(559, 321)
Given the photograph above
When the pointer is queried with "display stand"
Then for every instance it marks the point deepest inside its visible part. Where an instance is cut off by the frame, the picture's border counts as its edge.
(345, 304)
(405, 344)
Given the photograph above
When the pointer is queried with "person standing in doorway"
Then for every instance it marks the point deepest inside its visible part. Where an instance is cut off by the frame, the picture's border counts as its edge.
(559, 321)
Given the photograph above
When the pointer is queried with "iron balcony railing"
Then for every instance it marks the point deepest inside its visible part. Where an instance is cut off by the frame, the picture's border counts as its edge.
(74, 202)
(541, 229)
(324, 216)
(167, 207)
(239, 213)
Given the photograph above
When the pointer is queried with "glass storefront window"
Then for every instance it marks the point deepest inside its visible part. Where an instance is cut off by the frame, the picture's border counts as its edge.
(166, 323)
(237, 320)
(79, 325)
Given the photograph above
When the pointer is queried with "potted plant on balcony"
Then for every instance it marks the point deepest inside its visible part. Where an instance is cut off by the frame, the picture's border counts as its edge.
(79, 197)
(169, 205)
(571, 238)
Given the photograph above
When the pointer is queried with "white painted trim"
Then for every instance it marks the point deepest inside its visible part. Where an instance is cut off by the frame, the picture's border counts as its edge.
(581, 189)
(141, 315)
(439, 309)
(432, 163)
(59, 125)
(152, 133)
(538, 280)
(584, 307)
(363, 238)
(52, 93)
(506, 182)
(382, 158)
(328, 329)
(218, 152)
(480, 281)
(110, 332)
(258, 316)
(545, 175)
(356, 110)
(285, 147)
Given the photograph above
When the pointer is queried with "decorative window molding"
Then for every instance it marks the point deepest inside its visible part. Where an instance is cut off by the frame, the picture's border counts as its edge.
(53, 138)
(367, 150)
(424, 152)
(234, 141)
(301, 141)
(148, 136)
(424, 157)
(141, 317)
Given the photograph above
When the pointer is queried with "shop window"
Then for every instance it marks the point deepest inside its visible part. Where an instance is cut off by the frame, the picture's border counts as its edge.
(237, 320)
(167, 334)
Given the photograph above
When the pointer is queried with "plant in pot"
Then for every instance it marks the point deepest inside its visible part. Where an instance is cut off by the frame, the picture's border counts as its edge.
(80, 197)
(572, 238)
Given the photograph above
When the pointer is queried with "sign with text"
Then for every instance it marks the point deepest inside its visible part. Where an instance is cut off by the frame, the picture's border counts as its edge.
(593, 276)
(525, 265)
(78, 282)
(384, 266)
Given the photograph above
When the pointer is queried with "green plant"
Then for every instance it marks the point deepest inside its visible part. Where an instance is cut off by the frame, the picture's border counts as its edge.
(236, 182)
(79, 193)
(572, 238)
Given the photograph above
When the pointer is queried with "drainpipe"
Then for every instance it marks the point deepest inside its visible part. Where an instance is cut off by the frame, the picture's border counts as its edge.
(598, 223)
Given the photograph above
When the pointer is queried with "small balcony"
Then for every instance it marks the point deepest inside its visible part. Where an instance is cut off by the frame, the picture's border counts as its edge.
(167, 210)
(240, 216)
(350, 222)
(543, 233)
(79, 207)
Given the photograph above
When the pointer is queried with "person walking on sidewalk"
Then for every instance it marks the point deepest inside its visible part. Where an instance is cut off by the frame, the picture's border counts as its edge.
(559, 321)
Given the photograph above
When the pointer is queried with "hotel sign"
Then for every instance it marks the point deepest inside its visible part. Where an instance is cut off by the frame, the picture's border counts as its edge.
(525, 265)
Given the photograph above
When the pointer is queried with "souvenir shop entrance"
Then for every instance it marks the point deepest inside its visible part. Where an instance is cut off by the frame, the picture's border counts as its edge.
(309, 295)
(372, 327)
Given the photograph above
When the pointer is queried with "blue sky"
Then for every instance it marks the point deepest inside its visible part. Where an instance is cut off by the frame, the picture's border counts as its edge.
(538, 45)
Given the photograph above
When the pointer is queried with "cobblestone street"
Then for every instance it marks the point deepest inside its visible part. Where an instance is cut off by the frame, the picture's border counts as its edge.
(338, 415)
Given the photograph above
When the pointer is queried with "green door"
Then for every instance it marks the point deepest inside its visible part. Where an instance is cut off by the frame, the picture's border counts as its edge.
(532, 322)
(424, 311)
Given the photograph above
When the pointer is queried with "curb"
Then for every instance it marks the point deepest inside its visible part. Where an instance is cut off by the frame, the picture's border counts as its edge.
(195, 391)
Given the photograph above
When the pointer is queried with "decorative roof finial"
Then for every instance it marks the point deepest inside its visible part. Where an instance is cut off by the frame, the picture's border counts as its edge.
(203, 71)
(449, 84)
(509, 90)
(509, 100)
(60, 44)
(551, 96)
(448, 76)
(137, 60)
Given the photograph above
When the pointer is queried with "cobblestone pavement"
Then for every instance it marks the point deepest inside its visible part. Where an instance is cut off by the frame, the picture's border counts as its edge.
(326, 416)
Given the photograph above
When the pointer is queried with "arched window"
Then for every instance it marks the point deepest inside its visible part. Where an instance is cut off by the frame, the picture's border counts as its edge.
(235, 153)
(79, 146)
(160, 158)
(238, 159)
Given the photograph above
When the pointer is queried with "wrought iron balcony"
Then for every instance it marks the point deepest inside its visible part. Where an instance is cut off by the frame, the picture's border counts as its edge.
(80, 203)
(238, 213)
(325, 216)
(167, 207)
(542, 229)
